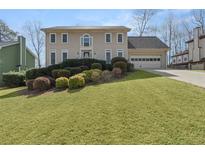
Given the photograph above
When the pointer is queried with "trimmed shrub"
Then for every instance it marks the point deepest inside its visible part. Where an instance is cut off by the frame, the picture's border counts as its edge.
(117, 59)
(29, 84)
(122, 65)
(84, 67)
(88, 74)
(96, 66)
(37, 72)
(106, 75)
(130, 67)
(14, 79)
(57, 73)
(96, 75)
(52, 81)
(74, 70)
(62, 82)
(109, 67)
(117, 72)
(41, 84)
(79, 62)
(76, 81)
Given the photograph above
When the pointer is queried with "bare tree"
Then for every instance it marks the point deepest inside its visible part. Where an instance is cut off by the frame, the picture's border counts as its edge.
(199, 18)
(36, 37)
(142, 19)
(6, 34)
(188, 29)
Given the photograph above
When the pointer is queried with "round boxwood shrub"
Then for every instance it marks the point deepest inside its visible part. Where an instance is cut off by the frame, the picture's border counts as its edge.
(106, 75)
(41, 84)
(88, 74)
(116, 59)
(76, 81)
(74, 70)
(96, 66)
(29, 84)
(84, 67)
(62, 82)
(130, 67)
(122, 65)
(116, 72)
(96, 75)
(57, 73)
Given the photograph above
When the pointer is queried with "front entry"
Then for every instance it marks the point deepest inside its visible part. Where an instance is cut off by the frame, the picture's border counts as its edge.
(86, 53)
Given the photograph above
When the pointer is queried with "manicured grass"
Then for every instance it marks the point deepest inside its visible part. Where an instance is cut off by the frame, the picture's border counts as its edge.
(141, 109)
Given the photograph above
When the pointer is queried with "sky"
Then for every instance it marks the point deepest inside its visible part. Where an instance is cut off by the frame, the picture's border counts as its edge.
(16, 19)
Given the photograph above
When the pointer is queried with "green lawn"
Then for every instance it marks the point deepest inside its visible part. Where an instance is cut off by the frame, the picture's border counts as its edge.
(141, 109)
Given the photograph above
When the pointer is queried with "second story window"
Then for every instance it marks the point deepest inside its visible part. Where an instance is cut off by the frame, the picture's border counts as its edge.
(52, 38)
(86, 40)
(108, 38)
(119, 38)
(64, 38)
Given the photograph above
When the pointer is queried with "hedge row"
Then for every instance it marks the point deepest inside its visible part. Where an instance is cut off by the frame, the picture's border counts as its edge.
(73, 65)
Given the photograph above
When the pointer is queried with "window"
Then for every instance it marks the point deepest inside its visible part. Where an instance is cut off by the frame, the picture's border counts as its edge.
(132, 59)
(108, 38)
(119, 38)
(120, 53)
(64, 38)
(158, 59)
(64, 55)
(86, 40)
(136, 59)
(53, 57)
(52, 38)
(108, 56)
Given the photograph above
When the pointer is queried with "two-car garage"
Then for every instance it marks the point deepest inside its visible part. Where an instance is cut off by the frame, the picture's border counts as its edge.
(146, 61)
(147, 52)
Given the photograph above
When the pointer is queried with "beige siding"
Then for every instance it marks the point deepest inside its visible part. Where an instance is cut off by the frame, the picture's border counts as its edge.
(73, 46)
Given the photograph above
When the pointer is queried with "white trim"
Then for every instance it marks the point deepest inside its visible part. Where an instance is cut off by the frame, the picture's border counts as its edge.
(62, 38)
(110, 37)
(82, 36)
(122, 38)
(52, 51)
(63, 51)
(50, 38)
(122, 51)
(21, 60)
(2, 46)
(110, 51)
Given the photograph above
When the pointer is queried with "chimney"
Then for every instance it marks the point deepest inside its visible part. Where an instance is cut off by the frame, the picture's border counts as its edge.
(197, 33)
(22, 50)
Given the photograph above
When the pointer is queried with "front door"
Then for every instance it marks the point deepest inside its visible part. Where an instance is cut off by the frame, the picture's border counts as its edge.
(86, 53)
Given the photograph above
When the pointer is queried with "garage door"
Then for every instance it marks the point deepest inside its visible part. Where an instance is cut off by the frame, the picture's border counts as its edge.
(146, 61)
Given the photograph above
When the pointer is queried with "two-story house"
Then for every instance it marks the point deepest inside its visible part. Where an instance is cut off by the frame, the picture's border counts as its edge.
(103, 42)
(196, 48)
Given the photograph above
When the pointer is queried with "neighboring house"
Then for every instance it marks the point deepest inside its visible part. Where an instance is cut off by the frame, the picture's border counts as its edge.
(180, 60)
(15, 56)
(196, 49)
(103, 42)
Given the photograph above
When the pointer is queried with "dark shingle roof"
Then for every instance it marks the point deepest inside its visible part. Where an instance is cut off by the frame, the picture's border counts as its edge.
(145, 42)
(85, 28)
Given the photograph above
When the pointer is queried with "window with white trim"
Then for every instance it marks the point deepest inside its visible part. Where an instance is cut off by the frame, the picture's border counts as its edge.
(119, 38)
(108, 38)
(86, 40)
(52, 38)
(53, 57)
(120, 53)
(108, 56)
(64, 37)
(64, 55)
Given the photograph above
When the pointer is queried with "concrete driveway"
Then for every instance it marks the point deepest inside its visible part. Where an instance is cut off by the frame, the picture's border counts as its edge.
(193, 77)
